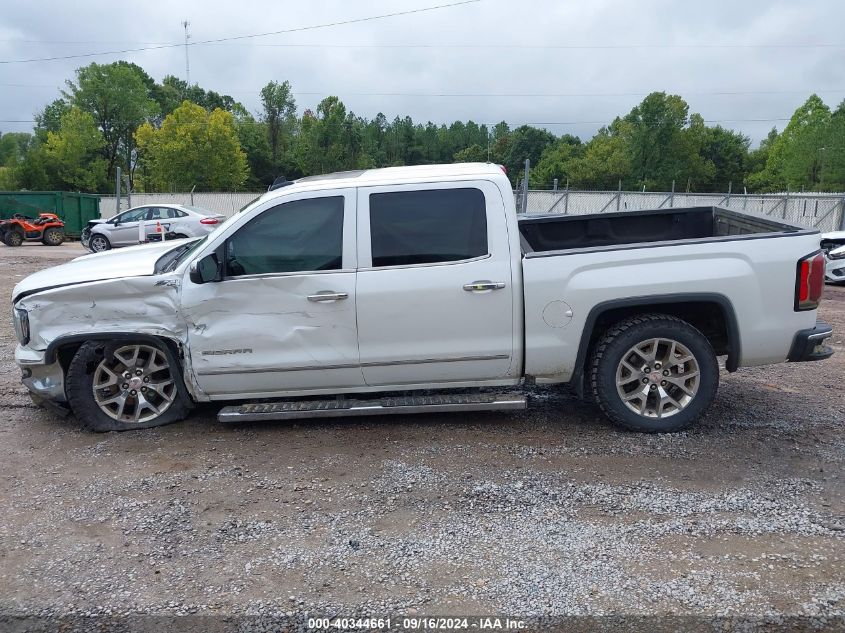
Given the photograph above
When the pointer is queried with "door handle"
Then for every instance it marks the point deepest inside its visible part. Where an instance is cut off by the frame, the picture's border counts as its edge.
(482, 286)
(328, 295)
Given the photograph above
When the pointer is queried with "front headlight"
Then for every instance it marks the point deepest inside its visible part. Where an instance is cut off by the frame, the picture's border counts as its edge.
(21, 320)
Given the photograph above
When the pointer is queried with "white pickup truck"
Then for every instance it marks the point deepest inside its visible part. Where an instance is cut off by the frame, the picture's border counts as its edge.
(416, 289)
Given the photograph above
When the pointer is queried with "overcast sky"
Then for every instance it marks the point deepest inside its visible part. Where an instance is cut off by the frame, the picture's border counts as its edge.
(643, 45)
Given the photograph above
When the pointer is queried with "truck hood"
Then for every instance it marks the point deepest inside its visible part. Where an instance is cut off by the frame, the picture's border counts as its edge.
(133, 261)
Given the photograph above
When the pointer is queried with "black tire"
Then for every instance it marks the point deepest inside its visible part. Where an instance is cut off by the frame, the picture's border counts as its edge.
(14, 238)
(80, 388)
(54, 236)
(614, 347)
(98, 238)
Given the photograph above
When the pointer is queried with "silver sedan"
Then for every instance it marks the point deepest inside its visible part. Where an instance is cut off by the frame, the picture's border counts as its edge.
(161, 221)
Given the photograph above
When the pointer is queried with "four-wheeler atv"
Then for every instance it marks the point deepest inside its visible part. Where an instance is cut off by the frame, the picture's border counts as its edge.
(47, 228)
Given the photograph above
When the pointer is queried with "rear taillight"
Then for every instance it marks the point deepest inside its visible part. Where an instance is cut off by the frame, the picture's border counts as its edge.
(209, 221)
(809, 282)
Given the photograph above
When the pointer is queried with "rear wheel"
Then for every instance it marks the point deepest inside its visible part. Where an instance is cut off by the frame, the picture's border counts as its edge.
(124, 386)
(99, 243)
(53, 236)
(13, 238)
(654, 373)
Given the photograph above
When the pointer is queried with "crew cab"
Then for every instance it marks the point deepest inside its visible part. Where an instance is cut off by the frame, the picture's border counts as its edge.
(415, 289)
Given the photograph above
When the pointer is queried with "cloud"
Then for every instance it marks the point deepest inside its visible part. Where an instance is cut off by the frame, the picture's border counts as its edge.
(611, 79)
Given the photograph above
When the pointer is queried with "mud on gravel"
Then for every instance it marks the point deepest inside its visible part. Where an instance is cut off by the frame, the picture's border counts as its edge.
(548, 512)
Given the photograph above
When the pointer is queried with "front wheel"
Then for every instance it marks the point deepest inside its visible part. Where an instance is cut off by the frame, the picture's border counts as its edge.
(654, 373)
(99, 243)
(124, 386)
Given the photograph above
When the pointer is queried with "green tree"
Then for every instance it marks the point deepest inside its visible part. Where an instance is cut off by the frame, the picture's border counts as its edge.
(49, 119)
(604, 163)
(472, 154)
(252, 136)
(14, 147)
(118, 97)
(525, 142)
(192, 147)
(832, 172)
(555, 162)
(756, 162)
(795, 158)
(8, 179)
(663, 142)
(279, 119)
(727, 152)
(73, 153)
(330, 140)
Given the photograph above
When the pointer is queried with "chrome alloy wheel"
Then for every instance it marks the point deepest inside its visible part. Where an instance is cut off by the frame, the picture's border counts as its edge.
(98, 244)
(657, 378)
(135, 385)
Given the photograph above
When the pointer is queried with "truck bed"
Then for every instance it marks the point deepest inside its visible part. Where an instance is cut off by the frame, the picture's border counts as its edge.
(564, 232)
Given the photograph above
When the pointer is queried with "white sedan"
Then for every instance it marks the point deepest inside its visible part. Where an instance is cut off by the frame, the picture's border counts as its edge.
(172, 221)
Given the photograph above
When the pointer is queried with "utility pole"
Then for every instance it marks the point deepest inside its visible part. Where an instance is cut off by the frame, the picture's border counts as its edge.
(185, 25)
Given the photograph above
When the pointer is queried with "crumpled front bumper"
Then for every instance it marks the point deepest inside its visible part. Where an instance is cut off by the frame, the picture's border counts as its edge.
(45, 381)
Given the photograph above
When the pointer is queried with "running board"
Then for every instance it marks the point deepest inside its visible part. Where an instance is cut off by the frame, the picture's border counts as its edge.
(297, 410)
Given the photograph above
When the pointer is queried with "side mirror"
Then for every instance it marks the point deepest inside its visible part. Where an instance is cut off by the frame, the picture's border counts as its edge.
(206, 269)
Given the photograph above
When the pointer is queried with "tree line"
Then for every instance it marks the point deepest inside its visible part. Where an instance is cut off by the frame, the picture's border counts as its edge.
(171, 136)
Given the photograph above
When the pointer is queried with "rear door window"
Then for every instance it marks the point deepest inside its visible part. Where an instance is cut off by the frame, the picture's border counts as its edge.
(427, 226)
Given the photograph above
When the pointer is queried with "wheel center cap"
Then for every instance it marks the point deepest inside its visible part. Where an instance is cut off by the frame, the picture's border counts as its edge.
(135, 382)
(655, 377)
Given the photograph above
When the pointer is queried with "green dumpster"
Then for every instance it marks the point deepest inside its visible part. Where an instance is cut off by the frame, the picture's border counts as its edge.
(75, 209)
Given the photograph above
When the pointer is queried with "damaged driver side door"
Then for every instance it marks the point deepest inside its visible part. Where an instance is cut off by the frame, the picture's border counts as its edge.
(281, 319)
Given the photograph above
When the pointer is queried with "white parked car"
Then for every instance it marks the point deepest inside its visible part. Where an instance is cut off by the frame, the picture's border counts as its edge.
(176, 220)
(362, 293)
(833, 246)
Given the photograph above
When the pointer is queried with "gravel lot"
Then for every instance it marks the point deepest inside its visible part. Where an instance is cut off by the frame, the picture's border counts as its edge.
(548, 512)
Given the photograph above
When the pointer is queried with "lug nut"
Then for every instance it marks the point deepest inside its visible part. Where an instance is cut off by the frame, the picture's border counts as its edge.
(133, 393)
(662, 383)
(138, 372)
(147, 378)
(646, 369)
(645, 380)
(125, 385)
(143, 389)
(657, 365)
(665, 372)
(653, 387)
(126, 374)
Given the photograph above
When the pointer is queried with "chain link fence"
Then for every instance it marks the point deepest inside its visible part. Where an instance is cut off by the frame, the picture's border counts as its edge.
(825, 212)
(226, 203)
